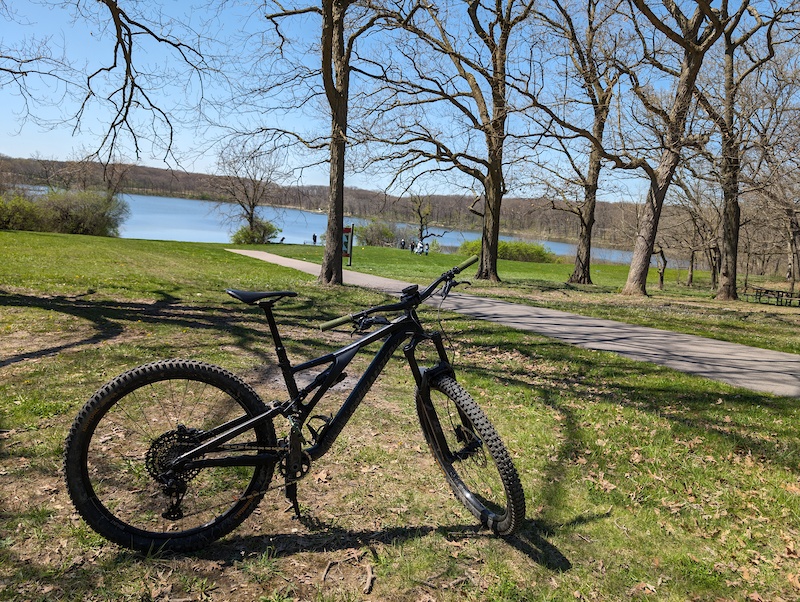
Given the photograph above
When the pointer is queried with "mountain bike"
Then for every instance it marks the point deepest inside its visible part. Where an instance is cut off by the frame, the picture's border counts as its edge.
(174, 454)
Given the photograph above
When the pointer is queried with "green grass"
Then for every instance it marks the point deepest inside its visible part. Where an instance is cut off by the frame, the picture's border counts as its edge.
(641, 483)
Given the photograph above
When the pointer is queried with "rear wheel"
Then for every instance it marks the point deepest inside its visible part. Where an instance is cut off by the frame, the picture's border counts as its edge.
(475, 462)
(127, 435)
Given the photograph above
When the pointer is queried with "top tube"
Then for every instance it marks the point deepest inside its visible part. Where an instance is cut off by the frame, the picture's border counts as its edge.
(411, 297)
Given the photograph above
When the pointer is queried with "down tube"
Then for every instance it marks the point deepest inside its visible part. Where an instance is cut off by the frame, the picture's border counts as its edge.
(334, 428)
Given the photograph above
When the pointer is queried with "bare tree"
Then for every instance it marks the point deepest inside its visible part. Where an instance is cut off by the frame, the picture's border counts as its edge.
(589, 33)
(422, 216)
(692, 36)
(250, 177)
(784, 196)
(773, 171)
(696, 218)
(672, 44)
(762, 236)
(342, 25)
(447, 99)
(748, 44)
(115, 175)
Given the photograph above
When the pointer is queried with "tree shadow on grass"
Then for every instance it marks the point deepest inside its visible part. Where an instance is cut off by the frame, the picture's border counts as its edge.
(646, 387)
(85, 576)
(109, 320)
(322, 537)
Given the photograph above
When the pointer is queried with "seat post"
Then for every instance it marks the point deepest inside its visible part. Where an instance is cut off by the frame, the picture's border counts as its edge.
(280, 350)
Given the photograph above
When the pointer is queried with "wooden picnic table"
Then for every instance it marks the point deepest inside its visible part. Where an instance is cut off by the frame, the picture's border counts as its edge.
(766, 295)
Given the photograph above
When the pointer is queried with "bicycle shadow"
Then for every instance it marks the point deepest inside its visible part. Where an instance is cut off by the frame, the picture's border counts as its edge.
(323, 537)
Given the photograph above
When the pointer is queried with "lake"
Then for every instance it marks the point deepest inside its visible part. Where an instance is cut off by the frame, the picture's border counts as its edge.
(166, 218)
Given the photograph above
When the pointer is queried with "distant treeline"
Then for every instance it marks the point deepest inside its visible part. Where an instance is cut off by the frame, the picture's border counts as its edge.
(538, 218)
(135, 179)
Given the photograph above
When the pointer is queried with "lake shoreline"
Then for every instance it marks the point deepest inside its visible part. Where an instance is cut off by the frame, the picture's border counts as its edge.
(178, 219)
(523, 235)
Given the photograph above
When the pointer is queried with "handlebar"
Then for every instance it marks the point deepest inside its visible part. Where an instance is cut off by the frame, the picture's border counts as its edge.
(464, 264)
(412, 297)
(337, 322)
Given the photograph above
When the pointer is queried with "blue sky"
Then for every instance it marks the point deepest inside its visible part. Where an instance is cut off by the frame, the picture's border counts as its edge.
(49, 130)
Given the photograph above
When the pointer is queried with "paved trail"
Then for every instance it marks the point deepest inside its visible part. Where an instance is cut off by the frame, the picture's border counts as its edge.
(748, 367)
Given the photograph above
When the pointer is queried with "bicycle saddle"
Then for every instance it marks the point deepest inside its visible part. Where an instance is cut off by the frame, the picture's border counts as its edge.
(253, 297)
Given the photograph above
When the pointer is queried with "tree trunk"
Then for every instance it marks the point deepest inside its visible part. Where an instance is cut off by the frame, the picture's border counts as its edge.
(331, 272)
(648, 225)
(490, 239)
(715, 260)
(493, 182)
(794, 247)
(730, 241)
(581, 273)
(729, 176)
(662, 268)
(335, 72)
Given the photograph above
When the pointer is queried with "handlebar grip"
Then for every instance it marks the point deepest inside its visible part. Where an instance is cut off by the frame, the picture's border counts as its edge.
(463, 266)
(337, 322)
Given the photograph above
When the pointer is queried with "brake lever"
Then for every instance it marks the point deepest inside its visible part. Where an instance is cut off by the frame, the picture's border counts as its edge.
(451, 284)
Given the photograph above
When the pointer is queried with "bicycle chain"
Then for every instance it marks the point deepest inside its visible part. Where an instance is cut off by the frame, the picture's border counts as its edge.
(272, 487)
(260, 492)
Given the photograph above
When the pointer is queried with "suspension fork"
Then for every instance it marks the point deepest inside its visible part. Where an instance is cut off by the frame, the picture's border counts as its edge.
(422, 376)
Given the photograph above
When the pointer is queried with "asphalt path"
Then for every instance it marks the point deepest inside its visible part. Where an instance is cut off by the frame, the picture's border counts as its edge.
(752, 368)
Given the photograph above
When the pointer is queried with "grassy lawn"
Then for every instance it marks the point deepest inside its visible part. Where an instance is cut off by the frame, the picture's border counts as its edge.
(641, 483)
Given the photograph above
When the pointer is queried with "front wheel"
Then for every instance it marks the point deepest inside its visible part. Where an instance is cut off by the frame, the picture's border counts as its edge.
(475, 462)
(123, 441)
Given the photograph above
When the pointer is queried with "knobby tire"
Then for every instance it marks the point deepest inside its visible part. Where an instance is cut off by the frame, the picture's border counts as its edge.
(141, 420)
(471, 454)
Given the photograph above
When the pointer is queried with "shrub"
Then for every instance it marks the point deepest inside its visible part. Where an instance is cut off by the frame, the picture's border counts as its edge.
(67, 212)
(20, 213)
(376, 233)
(261, 232)
(83, 212)
(513, 250)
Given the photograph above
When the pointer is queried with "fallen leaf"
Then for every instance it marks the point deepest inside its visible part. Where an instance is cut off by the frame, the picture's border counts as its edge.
(642, 588)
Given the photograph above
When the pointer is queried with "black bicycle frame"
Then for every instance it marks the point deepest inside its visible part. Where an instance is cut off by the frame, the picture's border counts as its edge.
(297, 411)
